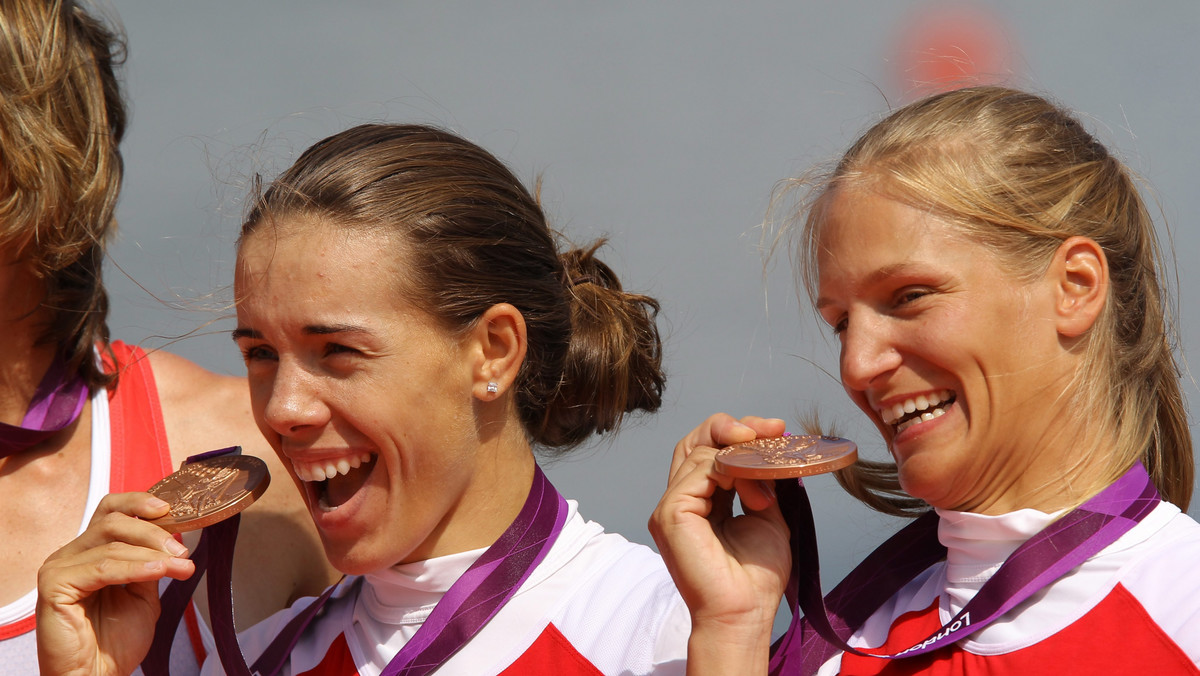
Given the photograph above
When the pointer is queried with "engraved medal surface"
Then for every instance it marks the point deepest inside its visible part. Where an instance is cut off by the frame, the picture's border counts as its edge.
(786, 457)
(209, 490)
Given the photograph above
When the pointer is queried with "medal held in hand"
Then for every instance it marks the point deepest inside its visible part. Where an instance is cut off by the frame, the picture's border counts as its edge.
(208, 492)
(210, 489)
(786, 457)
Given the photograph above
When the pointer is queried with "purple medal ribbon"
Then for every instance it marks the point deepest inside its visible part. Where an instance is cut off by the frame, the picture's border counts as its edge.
(821, 627)
(214, 555)
(56, 404)
(466, 607)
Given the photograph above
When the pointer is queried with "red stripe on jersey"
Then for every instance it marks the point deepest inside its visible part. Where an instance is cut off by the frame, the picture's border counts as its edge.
(17, 628)
(1117, 636)
(552, 653)
(337, 661)
(140, 455)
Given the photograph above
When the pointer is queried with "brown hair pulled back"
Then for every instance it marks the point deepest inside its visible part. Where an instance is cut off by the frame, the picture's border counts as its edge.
(61, 120)
(1021, 175)
(475, 237)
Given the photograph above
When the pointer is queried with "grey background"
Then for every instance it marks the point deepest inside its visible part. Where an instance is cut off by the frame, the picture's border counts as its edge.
(663, 125)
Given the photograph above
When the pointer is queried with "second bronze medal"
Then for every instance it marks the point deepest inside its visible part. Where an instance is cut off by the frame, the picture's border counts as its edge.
(786, 457)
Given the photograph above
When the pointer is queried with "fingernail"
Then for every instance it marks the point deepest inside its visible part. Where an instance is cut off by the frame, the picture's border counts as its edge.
(175, 548)
(156, 502)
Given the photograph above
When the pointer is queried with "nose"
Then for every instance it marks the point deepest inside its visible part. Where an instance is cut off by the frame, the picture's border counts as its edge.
(868, 352)
(293, 402)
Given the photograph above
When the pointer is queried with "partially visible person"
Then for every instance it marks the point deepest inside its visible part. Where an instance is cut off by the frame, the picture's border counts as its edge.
(139, 415)
(412, 333)
(994, 281)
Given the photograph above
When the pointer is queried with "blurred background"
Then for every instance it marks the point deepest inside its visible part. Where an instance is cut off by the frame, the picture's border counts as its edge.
(662, 125)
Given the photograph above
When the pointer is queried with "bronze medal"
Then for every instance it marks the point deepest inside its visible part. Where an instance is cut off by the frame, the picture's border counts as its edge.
(786, 457)
(210, 490)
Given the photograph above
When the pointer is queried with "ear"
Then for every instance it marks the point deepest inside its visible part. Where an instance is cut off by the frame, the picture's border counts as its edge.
(499, 342)
(1079, 272)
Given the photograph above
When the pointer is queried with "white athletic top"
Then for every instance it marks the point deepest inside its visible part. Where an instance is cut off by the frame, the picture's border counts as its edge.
(1132, 608)
(18, 654)
(597, 604)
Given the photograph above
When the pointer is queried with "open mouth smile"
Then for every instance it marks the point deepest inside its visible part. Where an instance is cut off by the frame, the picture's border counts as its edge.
(333, 481)
(916, 410)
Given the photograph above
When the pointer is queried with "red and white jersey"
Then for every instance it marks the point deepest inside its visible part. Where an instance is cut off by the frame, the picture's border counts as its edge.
(128, 453)
(1134, 608)
(597, 604)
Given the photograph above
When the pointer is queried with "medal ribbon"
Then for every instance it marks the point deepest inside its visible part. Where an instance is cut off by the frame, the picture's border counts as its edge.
(57, 402)
(214, 555)
(465, 608)
(821, 627)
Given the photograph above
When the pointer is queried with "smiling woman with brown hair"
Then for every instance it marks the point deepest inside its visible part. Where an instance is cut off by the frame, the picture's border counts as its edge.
(411, 333)
(992, 277)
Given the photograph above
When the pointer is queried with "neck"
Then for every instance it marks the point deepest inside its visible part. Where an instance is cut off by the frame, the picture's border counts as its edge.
(1072, 465)
(501, 483)
(21, 322)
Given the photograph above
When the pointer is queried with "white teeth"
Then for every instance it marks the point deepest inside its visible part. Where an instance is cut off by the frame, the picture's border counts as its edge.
(922, 402)
(327, 469)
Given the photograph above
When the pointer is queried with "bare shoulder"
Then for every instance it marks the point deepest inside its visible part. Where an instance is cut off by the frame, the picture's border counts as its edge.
(203, 411)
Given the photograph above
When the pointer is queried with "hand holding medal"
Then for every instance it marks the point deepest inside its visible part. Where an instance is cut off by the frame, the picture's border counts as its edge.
(743, 553)
(118, 562)
(209, 491)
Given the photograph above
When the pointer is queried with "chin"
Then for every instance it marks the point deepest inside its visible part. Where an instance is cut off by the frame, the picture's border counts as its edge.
(345, 560)
(356, 559)
(924, 483)
(352, 565)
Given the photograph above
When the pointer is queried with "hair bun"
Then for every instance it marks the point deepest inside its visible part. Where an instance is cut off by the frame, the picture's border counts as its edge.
(614, 362)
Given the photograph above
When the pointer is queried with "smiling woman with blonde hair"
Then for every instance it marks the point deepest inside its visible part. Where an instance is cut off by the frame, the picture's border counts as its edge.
(992, 276)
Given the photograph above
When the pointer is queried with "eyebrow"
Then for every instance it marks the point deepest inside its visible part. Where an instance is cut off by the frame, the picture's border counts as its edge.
(310, 330)
(238, 334)
(893, 270)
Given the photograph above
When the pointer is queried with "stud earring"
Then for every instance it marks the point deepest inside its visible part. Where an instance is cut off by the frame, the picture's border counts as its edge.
(492, 387)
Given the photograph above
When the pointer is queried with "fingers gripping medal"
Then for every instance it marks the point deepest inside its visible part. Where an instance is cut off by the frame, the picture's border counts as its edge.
(207, 493)
(791, 457)
(786, 457)
(209, 490)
